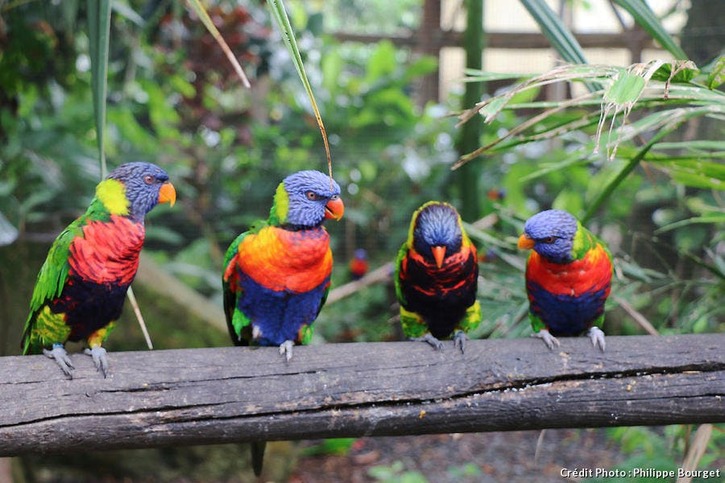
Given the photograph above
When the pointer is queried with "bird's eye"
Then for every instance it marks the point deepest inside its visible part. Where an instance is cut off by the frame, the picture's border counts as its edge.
(549, 239)
(312, 196)
(149, 179)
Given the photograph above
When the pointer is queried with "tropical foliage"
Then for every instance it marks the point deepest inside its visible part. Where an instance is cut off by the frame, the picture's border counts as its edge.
(637, 152)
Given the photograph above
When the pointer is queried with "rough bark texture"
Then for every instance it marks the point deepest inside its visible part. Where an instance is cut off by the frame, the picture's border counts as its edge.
(199, 396)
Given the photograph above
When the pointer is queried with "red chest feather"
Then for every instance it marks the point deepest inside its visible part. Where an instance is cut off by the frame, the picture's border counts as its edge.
(457, 272)
(591, 273)
(278, 259)
(108, 251)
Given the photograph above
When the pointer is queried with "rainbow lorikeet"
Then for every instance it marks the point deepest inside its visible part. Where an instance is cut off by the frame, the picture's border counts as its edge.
(568, 277)
(82, 285)
(359, 266)
(437, 277)
(277, 275)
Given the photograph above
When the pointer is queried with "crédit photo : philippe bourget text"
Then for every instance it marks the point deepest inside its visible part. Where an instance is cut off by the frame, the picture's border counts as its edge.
(638, 473)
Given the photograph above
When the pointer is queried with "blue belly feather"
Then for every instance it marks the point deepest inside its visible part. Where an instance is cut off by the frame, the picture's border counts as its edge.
(279, 315)
(566, 315)
(89, 306)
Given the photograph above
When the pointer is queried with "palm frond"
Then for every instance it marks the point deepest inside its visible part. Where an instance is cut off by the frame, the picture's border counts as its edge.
(99, 27)
(280, 16)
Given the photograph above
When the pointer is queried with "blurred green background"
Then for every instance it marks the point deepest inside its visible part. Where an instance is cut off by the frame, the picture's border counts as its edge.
(173, 99)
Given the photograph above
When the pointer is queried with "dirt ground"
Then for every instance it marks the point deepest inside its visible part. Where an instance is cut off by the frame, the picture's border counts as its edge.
(474, 457)
(509, 457)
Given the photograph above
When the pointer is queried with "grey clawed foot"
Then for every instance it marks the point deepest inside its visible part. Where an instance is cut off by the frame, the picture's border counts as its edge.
(100, 360)
(432, 341)
(459, 340)
(59, 354)
(285, 349)
(548, 339)
(597, 337)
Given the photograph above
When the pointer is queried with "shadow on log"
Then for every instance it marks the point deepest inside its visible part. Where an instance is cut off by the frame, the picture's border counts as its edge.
(201, 396)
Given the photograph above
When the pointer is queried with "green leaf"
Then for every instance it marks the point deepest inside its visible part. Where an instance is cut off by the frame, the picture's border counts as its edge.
(577, 157)
(701, 145)
(714, 219)
(382, 62)
(717, 76)
(623, 173)
(68, 13)
(332, 66)
(420, 67)
(474, 75)
(696, 180)
(645, 18)
(492, 107)
(124, 9)
(558, 34)
(182, 86)
(162, 113)
(715, 170)
(568, 200)
(677, 71)
(528, 95)
(554, 29)
(99, 27)
(625, 89)
(280, 16)
(125, 122)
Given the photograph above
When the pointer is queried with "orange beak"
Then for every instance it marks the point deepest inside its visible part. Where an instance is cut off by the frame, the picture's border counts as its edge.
(334, 209)
(167, 194)
(439, 253)
(526, 243)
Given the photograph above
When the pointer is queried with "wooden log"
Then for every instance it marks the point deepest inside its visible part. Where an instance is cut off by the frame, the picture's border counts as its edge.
(234, 394)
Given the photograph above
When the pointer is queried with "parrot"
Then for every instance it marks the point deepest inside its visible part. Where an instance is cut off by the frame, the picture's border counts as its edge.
(568, 277)
(436, 277)
(276, 276)
(359, 266)
(82, 284)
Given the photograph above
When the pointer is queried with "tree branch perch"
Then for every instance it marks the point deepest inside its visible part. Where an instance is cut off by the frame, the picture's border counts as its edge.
(233, 394)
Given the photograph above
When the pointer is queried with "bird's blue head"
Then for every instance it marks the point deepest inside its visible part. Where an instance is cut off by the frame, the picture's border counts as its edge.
(436, 231)
(361, 254)
(133, 189)
(551, 234)
(304, 199)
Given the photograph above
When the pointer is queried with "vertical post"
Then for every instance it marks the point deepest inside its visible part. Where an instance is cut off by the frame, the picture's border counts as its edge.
(429, 43)
(470, 136)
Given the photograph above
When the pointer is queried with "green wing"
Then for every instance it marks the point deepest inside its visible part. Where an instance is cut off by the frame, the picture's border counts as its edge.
(324, 297)
(236, 320)
(402, 253)
(413, 325)
(43, 327)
